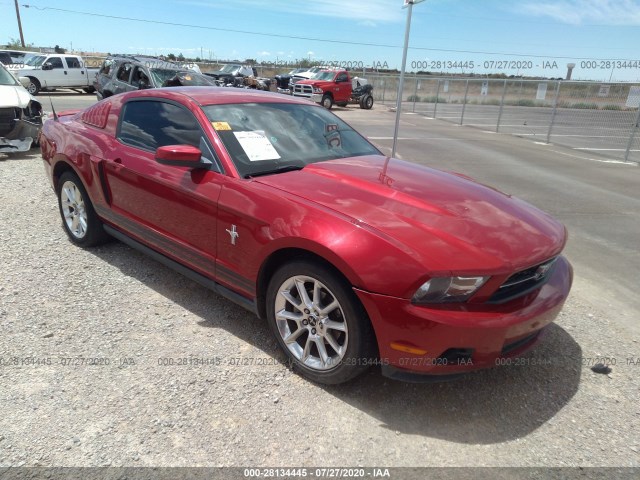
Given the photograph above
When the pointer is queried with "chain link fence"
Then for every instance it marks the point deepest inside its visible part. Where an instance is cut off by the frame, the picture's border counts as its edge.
(600, 118)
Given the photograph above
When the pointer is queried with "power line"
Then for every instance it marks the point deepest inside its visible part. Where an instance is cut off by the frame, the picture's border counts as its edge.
(313, 39)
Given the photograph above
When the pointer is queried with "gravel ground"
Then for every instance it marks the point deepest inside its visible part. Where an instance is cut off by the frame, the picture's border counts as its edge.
(88, 338)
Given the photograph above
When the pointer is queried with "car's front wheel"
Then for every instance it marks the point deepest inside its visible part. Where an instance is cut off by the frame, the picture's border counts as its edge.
(79, 218)
(34, 86)
(327, 101)
(319, 322)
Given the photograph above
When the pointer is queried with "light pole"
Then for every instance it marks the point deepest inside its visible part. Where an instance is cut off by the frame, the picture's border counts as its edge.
(409, 4)
(19, 24)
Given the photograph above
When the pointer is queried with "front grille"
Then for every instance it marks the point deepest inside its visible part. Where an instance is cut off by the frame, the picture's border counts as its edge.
(303, 90)
(457, 356)
(523, 282)
(8, 117)
(510, 347)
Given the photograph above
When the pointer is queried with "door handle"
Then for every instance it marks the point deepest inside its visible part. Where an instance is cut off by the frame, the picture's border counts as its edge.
(65, 72)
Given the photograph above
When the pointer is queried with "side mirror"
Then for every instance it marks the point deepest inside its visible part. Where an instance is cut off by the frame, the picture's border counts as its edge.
(180, 156)
(24, 81)
(47, 66)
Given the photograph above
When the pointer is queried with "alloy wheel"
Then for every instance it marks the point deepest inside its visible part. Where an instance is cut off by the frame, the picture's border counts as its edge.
(311, 322)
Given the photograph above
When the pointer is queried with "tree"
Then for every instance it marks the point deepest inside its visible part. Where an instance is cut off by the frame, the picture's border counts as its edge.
(181, 58)
(59, 49)
(171, 57)
(15, 44)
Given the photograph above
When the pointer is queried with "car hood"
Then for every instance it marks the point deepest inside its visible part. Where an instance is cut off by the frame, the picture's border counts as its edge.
(220, 73)
(14, 96)
(306, 75)
(448, 222)
(317, 83)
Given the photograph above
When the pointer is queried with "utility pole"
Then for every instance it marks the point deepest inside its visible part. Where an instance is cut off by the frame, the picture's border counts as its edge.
(19, 24)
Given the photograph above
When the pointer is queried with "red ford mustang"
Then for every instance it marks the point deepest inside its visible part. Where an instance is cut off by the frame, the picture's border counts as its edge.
(353, 258)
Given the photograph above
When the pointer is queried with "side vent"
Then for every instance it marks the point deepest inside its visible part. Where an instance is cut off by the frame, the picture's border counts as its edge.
(97, 115)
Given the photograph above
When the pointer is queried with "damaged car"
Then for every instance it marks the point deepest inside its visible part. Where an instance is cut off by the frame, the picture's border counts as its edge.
(126, 73)
(20, 115)
(239, 76)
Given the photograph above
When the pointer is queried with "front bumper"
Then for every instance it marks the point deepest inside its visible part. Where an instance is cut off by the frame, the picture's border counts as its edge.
(452, 339)
(20, 138)
(316, 97)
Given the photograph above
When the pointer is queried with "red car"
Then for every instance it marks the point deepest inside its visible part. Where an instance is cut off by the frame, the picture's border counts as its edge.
(353, 258)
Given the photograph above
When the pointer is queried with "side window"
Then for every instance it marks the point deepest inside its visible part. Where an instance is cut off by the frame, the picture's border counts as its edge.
(123, 72)
(341, 78)
(106, 67)
(150, 124)
(139, 79)
(56, 62)
(72, 62)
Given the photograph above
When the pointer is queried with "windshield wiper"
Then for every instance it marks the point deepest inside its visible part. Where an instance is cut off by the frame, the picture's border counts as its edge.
(285, 168)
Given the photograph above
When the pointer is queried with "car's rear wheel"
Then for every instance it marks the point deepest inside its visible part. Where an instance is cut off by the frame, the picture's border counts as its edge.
(79, 218)
(319, 322)
(366, 102)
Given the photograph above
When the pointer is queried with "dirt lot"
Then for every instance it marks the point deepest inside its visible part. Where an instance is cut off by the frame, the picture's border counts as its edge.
(92, 342)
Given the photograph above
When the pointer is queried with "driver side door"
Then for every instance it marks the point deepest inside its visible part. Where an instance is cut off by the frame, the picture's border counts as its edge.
(57, 76)
(171, 208)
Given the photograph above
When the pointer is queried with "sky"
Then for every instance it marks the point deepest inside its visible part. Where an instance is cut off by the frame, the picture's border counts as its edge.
(514, 37)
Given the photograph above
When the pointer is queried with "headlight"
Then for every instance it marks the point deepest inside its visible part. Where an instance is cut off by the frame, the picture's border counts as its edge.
(448, 289)
(317, 90)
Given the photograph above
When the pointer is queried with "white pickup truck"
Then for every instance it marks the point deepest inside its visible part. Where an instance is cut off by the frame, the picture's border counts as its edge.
(57, 71)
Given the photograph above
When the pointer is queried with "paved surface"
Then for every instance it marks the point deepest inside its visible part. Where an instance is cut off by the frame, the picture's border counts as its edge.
(588, 132)
(59, 302)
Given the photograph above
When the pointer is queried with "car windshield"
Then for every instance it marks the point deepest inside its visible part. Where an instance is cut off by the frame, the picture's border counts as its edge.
(185, 79)
(324, 76)
(6, 78)
(266, 138)
(35, 61)
(161, 75)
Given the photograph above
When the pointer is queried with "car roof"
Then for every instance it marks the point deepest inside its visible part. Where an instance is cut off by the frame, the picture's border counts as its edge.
(218, 95)
(143, 59)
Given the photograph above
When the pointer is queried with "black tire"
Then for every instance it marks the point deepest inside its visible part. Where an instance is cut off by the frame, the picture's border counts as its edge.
(34, 87)
(345, 326)
(89, 90)
(366, 102)
(77, 208)
(327, 101)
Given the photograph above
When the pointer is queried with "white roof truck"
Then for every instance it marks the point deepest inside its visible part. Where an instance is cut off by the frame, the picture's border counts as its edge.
(49, 71)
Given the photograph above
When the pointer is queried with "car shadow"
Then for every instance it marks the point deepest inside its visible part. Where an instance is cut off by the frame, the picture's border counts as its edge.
(63, 93)
(30, 155)
(485, 407)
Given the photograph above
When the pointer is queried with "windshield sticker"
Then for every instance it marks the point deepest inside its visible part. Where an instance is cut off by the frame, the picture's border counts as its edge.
(221, 125)
(334, 140)
(257, 146)
(331, 127)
